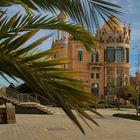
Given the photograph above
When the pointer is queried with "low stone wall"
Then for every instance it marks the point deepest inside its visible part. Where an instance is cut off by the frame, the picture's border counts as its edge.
(10, 112)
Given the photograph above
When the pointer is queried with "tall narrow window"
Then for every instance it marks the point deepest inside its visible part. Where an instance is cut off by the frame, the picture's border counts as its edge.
(97, 75)
(95, 57)
(110, 55)
(80, 55)
(126, 55)
(92, 75)
(110, 85)
(119, 55)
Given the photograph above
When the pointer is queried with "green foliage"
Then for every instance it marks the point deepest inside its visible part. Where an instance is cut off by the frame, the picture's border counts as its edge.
(83, 12)
(127, 116)
(103, 106)
(24, 88)
(128, 93)
(127, 106)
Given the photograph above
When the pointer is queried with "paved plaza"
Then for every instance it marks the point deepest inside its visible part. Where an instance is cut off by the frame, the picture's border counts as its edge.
(59, 127)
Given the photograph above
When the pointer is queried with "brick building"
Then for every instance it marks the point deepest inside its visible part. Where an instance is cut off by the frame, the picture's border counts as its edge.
(107, 67)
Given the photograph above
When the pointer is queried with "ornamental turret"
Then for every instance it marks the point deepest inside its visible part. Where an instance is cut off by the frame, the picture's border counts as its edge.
(62, 36)
(113, 31)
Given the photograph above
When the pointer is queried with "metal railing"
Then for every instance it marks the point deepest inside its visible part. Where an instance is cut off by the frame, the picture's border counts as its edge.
(23, 97)
(18, 96)
(43, 100)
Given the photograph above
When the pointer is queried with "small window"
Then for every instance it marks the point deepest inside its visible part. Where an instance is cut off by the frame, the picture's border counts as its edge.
(92, 75)
(80, 55)
(95, 57)
(97, 75)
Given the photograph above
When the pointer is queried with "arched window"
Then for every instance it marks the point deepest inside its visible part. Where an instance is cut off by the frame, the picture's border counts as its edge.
(95, 56)
(95, 89)
(80, 55)
(119, 55)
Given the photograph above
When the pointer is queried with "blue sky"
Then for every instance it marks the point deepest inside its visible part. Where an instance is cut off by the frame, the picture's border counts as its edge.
(131, 10)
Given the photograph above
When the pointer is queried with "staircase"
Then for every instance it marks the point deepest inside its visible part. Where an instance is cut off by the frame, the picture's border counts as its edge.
(24, 103)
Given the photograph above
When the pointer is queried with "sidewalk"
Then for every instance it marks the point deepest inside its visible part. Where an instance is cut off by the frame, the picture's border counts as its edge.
(59, 127)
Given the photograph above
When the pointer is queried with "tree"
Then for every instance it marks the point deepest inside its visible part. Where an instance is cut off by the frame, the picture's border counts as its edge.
(119, 84)
(24, 88)
(18, 59)
(128, 93)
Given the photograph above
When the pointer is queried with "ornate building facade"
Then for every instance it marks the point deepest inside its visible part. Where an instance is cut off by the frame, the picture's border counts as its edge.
(107, 67)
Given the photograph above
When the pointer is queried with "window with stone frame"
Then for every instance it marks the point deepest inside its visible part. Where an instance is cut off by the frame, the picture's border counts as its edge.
(119, 55)
(97, 76)
(92, 75)
(126, 55)
(110, 55)
(80, 55)
(95, 57)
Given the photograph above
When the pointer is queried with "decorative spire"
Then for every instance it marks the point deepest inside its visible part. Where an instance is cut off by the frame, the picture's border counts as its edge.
(53, 38)
(124, 28)
(129, 30)
(62, 16)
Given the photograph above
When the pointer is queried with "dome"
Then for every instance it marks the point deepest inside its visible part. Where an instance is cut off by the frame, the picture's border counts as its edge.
(114, 23)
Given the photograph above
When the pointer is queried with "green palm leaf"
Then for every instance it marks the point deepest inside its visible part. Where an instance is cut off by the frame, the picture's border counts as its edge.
(38, 69)
(81, 11)
(31, 22)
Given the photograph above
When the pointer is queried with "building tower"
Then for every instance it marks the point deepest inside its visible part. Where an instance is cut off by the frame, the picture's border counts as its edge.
(62, 41)
(116, 44)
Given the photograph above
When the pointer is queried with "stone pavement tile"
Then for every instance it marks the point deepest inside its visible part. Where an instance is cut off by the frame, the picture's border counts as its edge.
(60, 127)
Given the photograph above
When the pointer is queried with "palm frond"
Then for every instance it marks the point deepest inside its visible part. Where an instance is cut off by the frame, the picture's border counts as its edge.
(83, 12)
(39, 70)
(20, 24)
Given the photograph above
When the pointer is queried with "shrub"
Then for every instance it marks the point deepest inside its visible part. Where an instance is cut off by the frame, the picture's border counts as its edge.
(127, 106)
(127, 116)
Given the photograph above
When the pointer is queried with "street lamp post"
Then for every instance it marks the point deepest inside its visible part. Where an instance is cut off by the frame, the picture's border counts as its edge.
(138, 81)
(138, 92)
